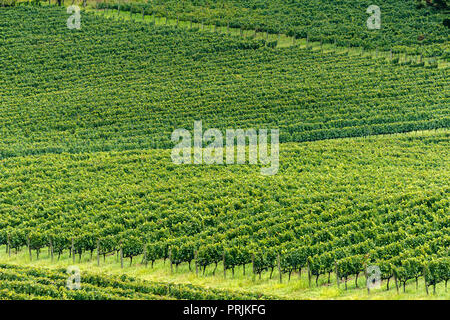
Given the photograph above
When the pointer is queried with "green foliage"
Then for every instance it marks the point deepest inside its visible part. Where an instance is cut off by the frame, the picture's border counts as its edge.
(148, 81)
(403, 23)
(39, 283)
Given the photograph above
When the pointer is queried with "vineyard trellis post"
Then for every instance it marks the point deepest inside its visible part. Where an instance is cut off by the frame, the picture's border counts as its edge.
(170, 259)
(72, 251)
(366, 275)
(425, 278)
(145, 256)
(51, 250)
(224, 265)
(279, 268)
(29, 247)
(121, 256)
(98, 253)
(309, 274)
(253, 266)
(8, 245)
(337, 274)
(196, 262)
(396, 281)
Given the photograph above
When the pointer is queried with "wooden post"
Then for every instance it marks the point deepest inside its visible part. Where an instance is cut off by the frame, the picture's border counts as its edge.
(121, 256)
(29, 247)
(279, 268)
(118, 8)
(170, 259)
(51, 250)
(391, 54)
(337, 274)
(309, 274)
(224, 266)
(366, 275)
(143, 14)
(228, 28)
(293, 40)
(253, 261)
(72, 250)
(8, 245)
(242, 33)
(145, 255)
(396, 281)
(425, 278)
(98, 253)
(196, 262)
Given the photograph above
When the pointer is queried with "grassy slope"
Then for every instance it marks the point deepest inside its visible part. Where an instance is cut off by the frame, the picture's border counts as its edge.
(295, 289)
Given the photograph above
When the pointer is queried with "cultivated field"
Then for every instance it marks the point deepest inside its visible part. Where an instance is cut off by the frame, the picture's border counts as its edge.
(86, 157)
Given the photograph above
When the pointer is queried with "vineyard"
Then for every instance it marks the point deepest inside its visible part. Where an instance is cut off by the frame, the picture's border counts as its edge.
(138, 205)
(86, 170)
(407, 26)
(49, 106)
(25, 283)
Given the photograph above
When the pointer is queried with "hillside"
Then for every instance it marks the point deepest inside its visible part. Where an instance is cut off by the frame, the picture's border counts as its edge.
(123, 86)
(87, 175)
